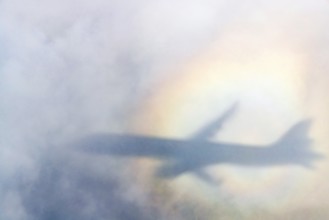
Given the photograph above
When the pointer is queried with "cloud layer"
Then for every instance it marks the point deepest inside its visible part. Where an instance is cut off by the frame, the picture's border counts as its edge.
(69, 68)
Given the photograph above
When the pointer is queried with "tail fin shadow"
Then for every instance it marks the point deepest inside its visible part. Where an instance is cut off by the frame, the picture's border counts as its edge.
(297, 145)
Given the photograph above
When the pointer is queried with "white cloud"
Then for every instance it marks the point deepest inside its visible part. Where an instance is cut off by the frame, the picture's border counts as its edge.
(69, 68)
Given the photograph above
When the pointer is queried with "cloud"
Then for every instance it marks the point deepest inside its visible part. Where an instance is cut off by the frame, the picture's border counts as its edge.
(70, 68)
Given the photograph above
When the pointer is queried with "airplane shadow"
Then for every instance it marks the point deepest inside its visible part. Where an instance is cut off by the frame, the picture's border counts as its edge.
(196, 153)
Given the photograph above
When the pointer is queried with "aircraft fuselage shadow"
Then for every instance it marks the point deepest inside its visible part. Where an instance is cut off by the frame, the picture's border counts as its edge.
(180, 156)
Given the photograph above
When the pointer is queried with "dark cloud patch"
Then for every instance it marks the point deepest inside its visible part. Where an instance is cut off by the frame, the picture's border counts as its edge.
(64, 191)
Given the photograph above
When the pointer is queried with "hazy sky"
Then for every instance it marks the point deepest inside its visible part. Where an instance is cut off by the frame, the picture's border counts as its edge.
(74, 68)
